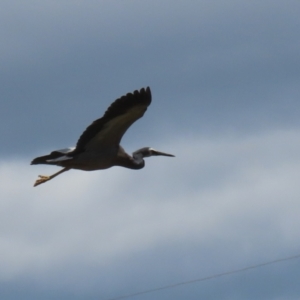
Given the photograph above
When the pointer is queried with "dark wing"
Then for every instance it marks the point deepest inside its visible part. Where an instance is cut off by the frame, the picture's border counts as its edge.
(109, 129)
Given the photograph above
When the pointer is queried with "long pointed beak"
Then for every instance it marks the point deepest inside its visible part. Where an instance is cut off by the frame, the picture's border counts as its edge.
(155, 152)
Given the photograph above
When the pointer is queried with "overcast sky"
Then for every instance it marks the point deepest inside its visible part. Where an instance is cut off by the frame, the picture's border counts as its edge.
(224, 77)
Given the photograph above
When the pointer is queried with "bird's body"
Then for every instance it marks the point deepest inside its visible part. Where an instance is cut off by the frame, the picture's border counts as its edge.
(99, 146)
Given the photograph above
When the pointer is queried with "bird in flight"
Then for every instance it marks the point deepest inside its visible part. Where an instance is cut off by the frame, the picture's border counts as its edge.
(99, 145)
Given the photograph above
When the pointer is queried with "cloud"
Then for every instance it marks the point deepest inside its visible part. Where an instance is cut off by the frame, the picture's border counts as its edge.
(210, 66)
(224, 202)
(225, 90)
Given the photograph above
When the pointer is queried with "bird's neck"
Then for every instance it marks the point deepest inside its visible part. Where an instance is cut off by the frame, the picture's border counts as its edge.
(138, 158)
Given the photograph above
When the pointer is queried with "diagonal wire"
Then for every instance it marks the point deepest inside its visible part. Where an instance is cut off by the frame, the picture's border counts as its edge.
(206, 278)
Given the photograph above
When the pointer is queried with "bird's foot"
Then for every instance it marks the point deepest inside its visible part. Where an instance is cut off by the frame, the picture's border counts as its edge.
(41, 180)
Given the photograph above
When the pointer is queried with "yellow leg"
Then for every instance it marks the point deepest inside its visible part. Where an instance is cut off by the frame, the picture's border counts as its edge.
(43, 178)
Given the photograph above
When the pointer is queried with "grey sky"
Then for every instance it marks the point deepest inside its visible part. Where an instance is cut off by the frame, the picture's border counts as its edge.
(225, 84)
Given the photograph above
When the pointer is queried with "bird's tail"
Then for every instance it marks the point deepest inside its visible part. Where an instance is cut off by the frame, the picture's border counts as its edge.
(53, 158)
(46, 159)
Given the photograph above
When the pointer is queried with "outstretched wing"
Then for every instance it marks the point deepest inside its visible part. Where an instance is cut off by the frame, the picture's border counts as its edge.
(108, 130)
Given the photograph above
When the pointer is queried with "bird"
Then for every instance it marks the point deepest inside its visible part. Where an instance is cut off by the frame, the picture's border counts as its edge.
(99, 147)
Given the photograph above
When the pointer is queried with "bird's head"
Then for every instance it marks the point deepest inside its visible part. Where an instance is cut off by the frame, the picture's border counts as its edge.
(148, 151)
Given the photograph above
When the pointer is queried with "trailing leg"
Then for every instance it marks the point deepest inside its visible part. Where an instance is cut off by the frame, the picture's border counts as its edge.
(43, 179)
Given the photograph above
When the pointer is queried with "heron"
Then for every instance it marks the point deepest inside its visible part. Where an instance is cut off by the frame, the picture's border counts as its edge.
(99, 147)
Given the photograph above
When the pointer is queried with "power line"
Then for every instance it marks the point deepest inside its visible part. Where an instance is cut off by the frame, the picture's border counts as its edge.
(206, 278)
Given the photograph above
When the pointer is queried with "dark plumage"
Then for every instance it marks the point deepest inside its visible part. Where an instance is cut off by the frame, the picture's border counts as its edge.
(98, 146)
(137, 102)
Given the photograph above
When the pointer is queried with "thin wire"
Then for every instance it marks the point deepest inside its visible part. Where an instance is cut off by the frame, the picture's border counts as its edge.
(206, 278)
